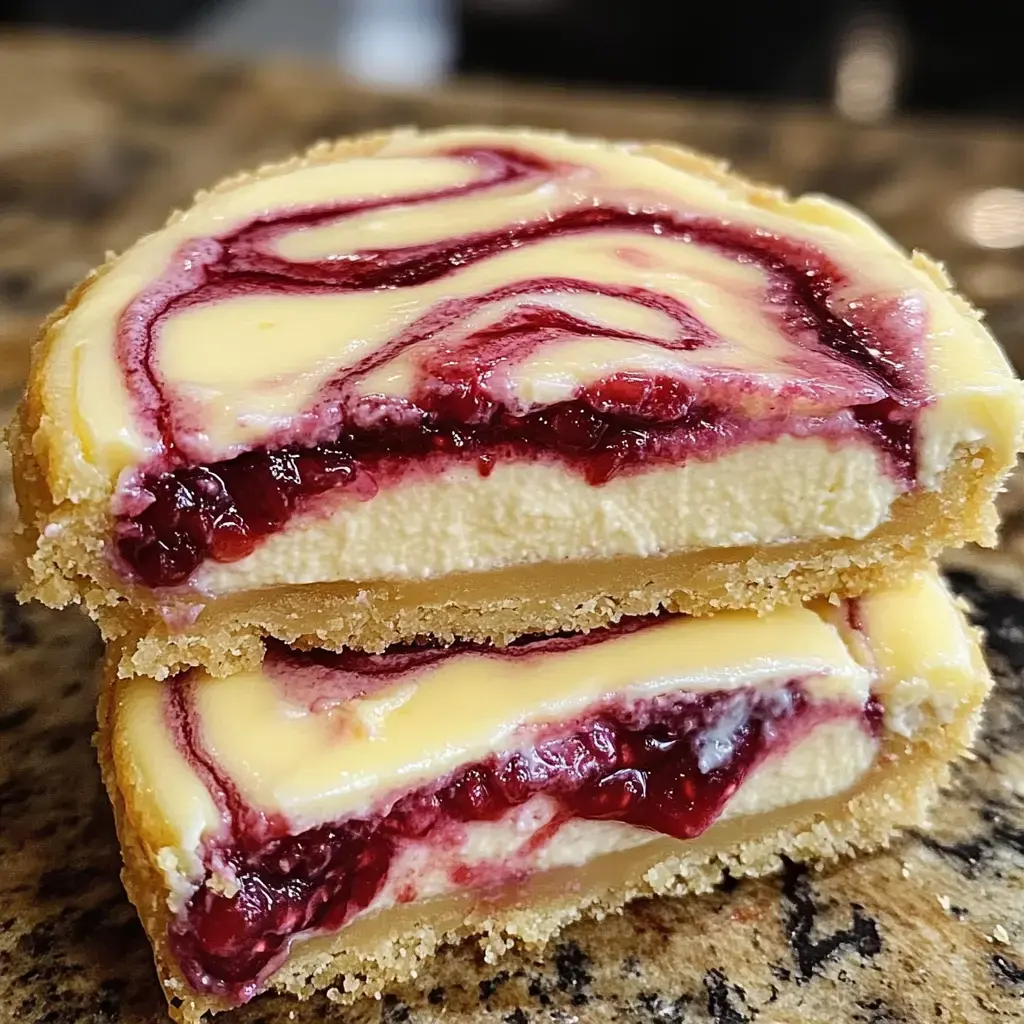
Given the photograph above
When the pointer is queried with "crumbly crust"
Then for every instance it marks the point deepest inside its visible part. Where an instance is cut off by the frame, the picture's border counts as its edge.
(382, 951)
(66, 521)
(227, 636)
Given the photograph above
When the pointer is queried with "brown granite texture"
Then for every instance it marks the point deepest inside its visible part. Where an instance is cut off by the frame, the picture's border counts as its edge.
(97, 141)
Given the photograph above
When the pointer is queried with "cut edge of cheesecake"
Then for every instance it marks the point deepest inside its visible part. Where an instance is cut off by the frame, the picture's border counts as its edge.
(228, 634)
(393, 947)
(42, 431)
(67, 522)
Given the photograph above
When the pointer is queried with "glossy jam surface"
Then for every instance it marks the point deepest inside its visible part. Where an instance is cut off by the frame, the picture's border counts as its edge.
(668, 764)
(319, 679)
(854, 368)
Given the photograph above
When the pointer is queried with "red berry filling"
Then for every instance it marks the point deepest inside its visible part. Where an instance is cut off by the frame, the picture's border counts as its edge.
(870, 351)
(668, 764)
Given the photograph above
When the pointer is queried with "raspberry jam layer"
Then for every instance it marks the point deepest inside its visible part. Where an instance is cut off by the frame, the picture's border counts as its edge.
(857, 370)
(669, 764)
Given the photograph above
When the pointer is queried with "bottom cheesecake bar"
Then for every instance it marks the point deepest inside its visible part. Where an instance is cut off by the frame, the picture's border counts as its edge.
(333, 819)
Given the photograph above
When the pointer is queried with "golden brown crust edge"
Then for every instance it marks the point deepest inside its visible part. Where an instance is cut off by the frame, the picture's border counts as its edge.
(227, 636)
(896, 793)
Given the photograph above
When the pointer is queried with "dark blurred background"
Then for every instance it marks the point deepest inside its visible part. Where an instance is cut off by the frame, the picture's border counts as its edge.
(867, 60)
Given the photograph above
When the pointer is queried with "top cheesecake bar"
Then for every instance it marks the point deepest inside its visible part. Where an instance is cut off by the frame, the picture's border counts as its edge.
(480, 383)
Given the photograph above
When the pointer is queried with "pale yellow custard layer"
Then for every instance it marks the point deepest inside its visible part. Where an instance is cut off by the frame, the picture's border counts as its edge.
(535, 512)
(248, 365)
(318, 759)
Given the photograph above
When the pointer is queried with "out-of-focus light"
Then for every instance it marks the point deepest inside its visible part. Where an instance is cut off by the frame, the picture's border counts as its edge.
(867, 70)
(992, 219)
(408, 43)
(402, 43)
(512, 6)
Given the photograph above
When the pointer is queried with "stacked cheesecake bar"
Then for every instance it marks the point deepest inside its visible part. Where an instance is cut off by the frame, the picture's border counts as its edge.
(489, 528)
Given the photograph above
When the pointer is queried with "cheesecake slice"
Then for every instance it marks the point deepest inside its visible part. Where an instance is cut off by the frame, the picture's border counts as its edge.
(474, 384)
(330, 820)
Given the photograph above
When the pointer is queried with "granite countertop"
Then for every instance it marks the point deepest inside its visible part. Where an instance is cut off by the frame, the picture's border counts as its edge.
(97, 141)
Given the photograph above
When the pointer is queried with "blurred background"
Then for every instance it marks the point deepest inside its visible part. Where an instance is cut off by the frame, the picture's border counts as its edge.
(112, 112)
(866, 59)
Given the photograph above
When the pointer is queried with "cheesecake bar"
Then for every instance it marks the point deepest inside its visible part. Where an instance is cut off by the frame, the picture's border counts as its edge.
(332, 819)
(474, 384)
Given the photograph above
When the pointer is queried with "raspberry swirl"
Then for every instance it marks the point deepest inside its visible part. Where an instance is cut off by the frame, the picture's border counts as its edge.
(668, 763)
(611, 364)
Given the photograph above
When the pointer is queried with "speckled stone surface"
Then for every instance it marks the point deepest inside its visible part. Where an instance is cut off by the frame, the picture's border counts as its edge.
(96, 142)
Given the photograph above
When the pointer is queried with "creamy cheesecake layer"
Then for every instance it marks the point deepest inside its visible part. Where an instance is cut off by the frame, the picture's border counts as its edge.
(275, 808)
(290, 381)
(530, 513)
(250, 363)
(226, 634)
(296, 738)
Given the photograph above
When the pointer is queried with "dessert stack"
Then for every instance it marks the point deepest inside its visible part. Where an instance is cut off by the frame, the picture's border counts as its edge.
(488, 528)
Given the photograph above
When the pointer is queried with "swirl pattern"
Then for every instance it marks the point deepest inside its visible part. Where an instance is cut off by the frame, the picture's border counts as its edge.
(641, 763)
(580, 332)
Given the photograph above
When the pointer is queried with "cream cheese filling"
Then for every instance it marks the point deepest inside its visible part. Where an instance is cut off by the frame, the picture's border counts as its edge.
(331, 760)
(831, 759)
(534, 512)
(96, 434)
(908, 645)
